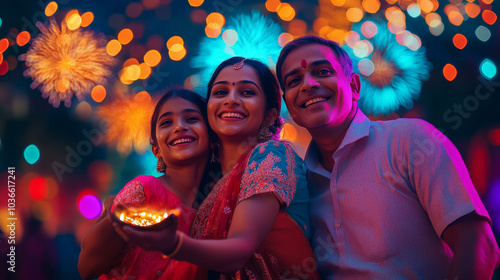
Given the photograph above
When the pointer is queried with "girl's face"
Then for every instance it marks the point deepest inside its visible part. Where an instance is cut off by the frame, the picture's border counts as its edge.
(237, 104)
(181, 133)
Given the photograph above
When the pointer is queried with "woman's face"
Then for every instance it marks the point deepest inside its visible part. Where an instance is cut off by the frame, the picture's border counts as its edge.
(181, 132)
(237, 104)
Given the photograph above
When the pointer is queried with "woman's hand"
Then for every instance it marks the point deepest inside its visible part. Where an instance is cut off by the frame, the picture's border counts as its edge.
(164, 239)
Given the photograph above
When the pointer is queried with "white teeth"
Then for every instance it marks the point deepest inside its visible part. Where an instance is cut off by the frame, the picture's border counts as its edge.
(182, 140)
(315, 100)
(232, 115)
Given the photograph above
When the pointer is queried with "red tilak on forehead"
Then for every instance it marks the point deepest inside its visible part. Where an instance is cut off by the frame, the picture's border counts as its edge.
(303, 63)
(234, 83)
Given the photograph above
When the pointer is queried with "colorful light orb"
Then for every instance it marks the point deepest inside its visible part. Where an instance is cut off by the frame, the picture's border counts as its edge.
(177, 52)
(230, 37)
(195, 3)
(338, 3)
(152, 58)
(371, 6)
(4, 67)
(113, 47)
(38, 188)
(488, 69)
(489, 17)
(74, 21)
(4, 44)
(125, 36)
(98, 93)
(459, 41)
(449, 72)
(23, 38)
(483, 33)
(272, 5)
(368, 29)
(285, 11)
(83, 110)
(472, 9)
(413, 10)
(366, 66)
(145, 71)
(51, 8)
(90, 206)
(134, 10)
(198, 16)
(87, 19)
(437, 30)
(352, 38)
(174, 40)
(31, 154)
(285, 38)
(216, 19)
(1, 22)
(354, 14)
(494, 137)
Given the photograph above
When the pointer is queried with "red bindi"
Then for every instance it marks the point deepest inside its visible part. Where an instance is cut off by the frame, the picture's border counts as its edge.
(234, 83)
(303, 63)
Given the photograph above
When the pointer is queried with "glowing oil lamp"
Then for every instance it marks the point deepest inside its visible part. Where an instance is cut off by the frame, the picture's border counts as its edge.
(144, 218)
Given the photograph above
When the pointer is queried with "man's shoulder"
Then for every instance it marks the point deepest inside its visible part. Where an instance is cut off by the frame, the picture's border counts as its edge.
(402, 126)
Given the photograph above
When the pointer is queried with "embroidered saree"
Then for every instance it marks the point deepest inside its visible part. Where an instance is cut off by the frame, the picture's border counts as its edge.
(137, 263)
(285, 253)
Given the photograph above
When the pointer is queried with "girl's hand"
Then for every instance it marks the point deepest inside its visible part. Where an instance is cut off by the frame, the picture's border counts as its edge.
(164, 239)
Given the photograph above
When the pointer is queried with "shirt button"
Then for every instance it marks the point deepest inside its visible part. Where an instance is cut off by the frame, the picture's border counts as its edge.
(337, 225)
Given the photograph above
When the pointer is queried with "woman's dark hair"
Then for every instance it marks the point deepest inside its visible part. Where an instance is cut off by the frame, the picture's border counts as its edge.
(269, 87)
(183, 93)
(342, 55)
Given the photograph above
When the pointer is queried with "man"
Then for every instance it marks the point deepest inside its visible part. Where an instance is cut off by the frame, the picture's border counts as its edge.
(384, 195)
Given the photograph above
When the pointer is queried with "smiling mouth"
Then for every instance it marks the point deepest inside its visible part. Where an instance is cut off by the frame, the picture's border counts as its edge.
(313, 101)
(181, 141)
(232, 115)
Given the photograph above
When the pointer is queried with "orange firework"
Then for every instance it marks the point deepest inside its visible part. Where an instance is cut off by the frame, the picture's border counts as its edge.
(128, 120)
(64, 62)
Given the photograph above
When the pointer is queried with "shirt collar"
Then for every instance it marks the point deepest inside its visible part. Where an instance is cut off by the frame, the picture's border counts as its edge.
(358, 129)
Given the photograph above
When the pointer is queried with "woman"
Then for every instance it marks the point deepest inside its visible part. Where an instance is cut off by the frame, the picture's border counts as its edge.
(241, 229)
(180, 141)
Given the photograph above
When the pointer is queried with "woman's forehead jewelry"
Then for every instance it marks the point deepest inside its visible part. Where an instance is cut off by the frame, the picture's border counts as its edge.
(239, 65)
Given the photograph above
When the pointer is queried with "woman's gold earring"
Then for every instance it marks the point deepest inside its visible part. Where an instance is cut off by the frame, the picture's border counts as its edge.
(160, 165)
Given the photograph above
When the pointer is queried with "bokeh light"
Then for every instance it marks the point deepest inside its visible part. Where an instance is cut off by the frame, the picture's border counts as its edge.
(31, 154)
(125, 36)
(174, 40)
(368, 29)
(489, 17)
(488, 69)
(195, 3)
(494, 137)
(216, 19)
(145, 71)
(152, 58)
(83, 110)
(74, 21)
(177, 52)
(371, 6)
(284, 39)
(338, 3)
(354, 14)
(483, 33)
(98, 93)
(51, 8)
(4, 44)
(297, 27)
(38, 188)
(90, 206)
(472, 9)
(4, 67)
(113, 47)
(272, 5)
(459, 41)
(134, 10)
(23, 38)
(285, 11)
(87, 19)
(413, 10)
(366, 66)
(449, 72)
(230, 37)
(212, 30)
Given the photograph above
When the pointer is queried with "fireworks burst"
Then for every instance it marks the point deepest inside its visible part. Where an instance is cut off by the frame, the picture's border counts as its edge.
(395, 72)
(256, 37)
(63, 63)
(128, 121)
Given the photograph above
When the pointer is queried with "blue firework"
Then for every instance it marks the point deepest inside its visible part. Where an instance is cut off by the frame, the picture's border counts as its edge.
(257, 39)
(403, 70)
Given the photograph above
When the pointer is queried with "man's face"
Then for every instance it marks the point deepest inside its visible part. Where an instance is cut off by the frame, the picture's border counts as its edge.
(317, 93)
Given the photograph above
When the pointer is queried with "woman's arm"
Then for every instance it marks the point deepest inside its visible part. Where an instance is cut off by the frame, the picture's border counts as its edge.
(100, 246)
(252, 221)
